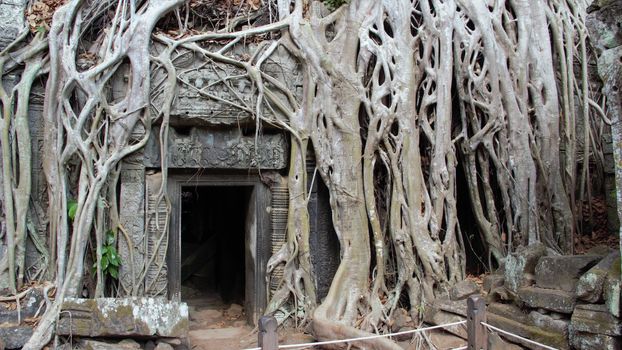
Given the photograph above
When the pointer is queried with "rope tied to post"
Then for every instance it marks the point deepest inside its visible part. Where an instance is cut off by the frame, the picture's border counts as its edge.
(476, 324)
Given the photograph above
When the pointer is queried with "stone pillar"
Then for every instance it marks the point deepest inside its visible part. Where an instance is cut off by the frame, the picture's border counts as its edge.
(156, 240)
(132, 218)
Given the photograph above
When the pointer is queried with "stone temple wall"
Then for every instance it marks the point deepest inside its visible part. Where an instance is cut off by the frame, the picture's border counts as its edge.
(566, 302)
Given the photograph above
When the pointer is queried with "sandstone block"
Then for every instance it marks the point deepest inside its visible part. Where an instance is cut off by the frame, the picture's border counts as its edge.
(548, 299)
(612, 289)
(14, 337)
(91, 344)
(595, 319)
(463, 290)
(547, 322)
(455, 307)
(495, 342)
(435, 316)
(164, 346)
(590, 284)
(563, 272)
(493, 281)
(29, 305)
(520, 263)
(128, 317)
(514, 325)
(589, 341)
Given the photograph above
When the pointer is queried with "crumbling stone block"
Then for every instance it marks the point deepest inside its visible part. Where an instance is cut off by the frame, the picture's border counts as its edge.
(595, 319)
(547, 322)
(612, 289)
(590, 285)
(522, 263)
(548, 299)
(455, 307)
(29, 305)
(493, 281)
(14, 337)
(127, 317)
(436, 316)
(90, 344)
(589, 341)
(512, 319)
(563, 272)
(463, 290)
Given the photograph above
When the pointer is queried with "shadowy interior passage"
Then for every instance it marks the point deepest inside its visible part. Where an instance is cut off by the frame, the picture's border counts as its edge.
(213, 222)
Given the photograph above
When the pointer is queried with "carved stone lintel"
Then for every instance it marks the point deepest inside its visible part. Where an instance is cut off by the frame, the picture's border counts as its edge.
(202, 148)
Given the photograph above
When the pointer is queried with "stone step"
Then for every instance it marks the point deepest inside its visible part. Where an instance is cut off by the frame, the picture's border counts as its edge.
(563, 272)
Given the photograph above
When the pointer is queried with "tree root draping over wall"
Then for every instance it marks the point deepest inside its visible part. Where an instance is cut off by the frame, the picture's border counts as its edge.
(397, 94)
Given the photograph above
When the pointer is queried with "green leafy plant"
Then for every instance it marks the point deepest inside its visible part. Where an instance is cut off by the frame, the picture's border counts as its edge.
(72, 209)
(110, 260)
(334, 4)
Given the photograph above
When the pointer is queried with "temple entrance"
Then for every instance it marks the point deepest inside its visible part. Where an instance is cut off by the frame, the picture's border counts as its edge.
(213, 230)
(219, 243)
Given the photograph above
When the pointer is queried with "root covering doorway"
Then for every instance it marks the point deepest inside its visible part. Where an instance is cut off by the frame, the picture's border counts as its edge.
(219, 241)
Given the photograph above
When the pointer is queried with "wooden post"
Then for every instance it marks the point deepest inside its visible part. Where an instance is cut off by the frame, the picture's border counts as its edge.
(268, 339)
(476, 331)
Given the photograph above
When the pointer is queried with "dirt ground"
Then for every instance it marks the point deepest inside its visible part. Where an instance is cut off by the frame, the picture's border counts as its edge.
(215, 325)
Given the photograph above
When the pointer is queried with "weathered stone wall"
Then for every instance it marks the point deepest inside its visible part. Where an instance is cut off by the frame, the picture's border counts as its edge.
(604, 23)
(11, 20)
(562, 301)
(567, 302)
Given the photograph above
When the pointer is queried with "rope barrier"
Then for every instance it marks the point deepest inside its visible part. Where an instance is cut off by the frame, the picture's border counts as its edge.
(328, 342)
(518, 336)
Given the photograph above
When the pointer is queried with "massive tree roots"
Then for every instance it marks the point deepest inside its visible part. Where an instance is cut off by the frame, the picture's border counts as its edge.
(398, 96)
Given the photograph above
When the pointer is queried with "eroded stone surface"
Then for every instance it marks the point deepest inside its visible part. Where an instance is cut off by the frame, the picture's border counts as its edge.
(438, 317)
(29, 305)
(463, 290)
(514, 325)
(521, 264)
(590, 285)
(495, 342)
(12, 20)
(563, 272)
(90, 344)
(588, 341)
(14, 337)
(548, 299)
(203, 148)
(493, 281)
(547, 322)
(595, 319)
(110, 317)
(455, 307)
(612, 292)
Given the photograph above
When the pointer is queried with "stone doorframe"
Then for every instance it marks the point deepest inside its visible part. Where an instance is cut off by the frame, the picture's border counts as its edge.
(257, 249)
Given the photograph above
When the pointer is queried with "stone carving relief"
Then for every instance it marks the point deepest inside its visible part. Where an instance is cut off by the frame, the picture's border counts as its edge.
(209, 93)
(230, 149)
(132, 218)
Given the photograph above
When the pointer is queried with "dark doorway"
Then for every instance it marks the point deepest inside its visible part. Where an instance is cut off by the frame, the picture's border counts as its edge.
(213, 242)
